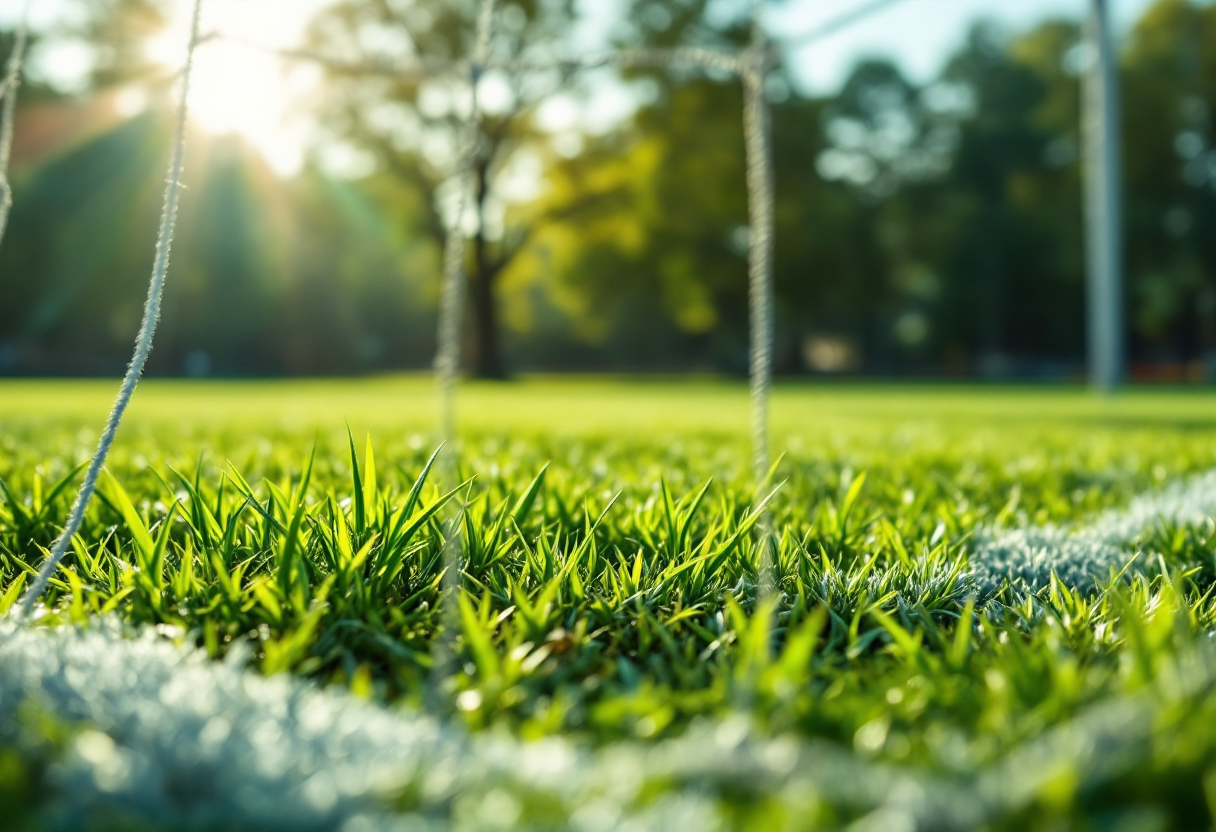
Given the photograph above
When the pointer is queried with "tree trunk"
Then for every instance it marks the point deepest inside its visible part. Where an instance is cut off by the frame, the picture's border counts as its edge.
(487, 351)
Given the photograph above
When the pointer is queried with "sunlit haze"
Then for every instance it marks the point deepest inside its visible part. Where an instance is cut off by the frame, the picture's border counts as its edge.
(241, 90)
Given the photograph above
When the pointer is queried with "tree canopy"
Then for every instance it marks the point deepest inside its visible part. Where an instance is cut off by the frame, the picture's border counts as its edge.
(930, 227)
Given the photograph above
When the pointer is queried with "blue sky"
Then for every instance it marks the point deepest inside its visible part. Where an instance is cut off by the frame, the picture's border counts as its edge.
(920, 34)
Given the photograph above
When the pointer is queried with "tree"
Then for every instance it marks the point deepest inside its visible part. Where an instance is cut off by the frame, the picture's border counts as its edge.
(1014, 266)
(1170, 91)
(117, 32)
(409, 128)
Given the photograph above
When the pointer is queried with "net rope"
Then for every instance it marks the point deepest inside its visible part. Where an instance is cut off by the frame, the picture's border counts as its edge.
(451, 307)
(658, 58)
(761, 201)
(447, 360)
(8, 90)
(147, 329)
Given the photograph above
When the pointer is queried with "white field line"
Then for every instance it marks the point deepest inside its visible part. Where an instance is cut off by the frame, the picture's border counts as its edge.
(1084, 556)
(178, 741)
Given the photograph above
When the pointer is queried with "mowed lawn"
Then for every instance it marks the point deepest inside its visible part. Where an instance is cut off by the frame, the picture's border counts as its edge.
(1046, 441)
(968, 583)
(579, 406)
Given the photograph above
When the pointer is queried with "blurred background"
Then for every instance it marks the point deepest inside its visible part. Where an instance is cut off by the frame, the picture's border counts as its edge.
(929, 203)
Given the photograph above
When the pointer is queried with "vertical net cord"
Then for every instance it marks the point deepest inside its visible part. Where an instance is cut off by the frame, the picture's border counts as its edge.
(451, 305)
(447, 361)
(11, 83)
(760, 193)
(143, 343)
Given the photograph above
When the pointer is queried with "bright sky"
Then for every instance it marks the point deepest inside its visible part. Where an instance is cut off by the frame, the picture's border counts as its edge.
(239, 90)
(920, 34)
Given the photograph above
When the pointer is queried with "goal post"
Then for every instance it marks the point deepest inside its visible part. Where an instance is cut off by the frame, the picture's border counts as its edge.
(1103, 202)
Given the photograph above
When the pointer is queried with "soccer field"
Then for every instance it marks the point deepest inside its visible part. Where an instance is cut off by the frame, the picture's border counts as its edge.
(582, 406)
(992, 608)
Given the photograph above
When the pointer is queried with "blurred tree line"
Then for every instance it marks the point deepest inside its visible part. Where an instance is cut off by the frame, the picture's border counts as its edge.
(928, 228)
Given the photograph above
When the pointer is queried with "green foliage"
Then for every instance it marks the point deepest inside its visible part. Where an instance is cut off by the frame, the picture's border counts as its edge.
(31, 740)
(920, 225)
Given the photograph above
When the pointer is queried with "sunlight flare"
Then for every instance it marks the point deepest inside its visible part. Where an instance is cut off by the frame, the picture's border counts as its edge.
(240, 90)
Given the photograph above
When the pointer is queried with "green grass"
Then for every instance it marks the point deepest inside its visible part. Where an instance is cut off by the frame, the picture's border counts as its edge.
(607, 531)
